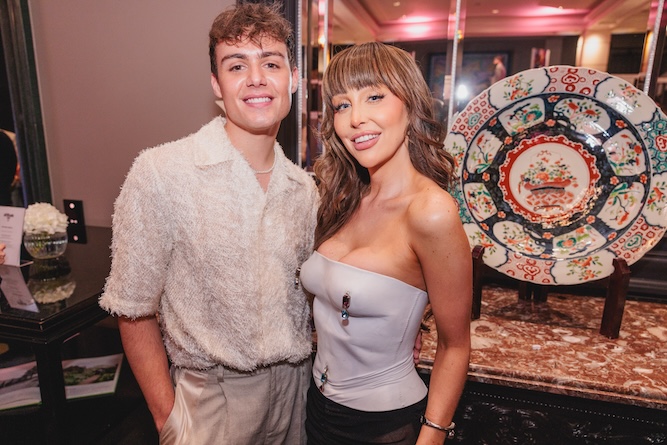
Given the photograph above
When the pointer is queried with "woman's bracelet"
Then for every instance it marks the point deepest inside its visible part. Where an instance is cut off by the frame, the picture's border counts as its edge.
(449, 430)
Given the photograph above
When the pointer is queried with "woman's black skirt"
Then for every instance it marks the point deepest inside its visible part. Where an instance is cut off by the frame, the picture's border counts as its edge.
(330, 423)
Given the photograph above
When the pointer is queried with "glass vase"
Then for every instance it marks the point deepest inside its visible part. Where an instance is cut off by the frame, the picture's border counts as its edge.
(42, 246)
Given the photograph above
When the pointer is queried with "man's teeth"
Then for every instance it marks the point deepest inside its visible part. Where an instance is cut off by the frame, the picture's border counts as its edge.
(366, 137)
(257, 100)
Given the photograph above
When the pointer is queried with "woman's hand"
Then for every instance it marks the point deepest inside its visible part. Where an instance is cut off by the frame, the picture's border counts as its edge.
(417, 348)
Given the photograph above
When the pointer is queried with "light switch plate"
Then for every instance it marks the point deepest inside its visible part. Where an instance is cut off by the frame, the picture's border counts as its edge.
(76, 230)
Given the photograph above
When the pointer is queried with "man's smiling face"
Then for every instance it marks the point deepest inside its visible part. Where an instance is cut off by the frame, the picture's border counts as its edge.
(256, 85)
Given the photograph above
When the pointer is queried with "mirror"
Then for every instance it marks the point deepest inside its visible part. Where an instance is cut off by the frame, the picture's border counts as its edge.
(554, 32)
(312, 60)
(24, 101)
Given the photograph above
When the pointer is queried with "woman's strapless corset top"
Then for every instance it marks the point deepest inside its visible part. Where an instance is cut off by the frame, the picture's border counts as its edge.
(366, 327)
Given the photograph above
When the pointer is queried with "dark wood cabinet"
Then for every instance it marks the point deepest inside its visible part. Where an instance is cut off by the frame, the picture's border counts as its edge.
(495, 415)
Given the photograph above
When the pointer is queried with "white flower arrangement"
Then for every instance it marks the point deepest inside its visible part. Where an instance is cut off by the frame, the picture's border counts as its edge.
(42, 217)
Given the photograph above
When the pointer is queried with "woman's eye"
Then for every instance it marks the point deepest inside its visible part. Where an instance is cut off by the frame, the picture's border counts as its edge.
(340, 107)
(376, 97)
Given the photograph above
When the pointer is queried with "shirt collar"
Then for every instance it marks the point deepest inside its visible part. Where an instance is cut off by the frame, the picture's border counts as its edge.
(212, 146)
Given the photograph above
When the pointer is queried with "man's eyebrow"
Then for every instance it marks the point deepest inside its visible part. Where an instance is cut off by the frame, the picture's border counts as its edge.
(263, 55)
(266, 54)
(233, 56)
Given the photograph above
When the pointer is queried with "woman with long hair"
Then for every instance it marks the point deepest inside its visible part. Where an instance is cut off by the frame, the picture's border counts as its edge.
(388, 242)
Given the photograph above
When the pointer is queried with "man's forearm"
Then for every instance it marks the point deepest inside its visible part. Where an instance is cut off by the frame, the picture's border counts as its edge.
(144, 348)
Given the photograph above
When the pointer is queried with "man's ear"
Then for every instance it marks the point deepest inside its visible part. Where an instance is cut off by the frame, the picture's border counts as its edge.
(295, 79)
(216, 86)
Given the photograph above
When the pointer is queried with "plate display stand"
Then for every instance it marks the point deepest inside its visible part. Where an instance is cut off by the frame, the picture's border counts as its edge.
(532, 292)
(614, 305)
(477, 276)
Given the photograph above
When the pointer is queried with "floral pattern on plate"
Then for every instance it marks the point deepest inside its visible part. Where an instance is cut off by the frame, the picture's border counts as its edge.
(561, 170)
(548, 179)
(482, 151)
(625, 154)
(522, 116)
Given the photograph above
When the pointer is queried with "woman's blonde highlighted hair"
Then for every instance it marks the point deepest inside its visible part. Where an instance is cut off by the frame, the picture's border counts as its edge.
(342, 181)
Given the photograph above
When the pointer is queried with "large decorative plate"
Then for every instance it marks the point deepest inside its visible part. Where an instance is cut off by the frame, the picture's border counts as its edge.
(561, 170)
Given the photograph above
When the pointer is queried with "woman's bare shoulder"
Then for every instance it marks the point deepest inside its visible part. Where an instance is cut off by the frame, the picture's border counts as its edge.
(433, 209)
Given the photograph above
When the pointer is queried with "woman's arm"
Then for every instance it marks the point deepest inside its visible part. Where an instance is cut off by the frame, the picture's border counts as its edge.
(443, 251)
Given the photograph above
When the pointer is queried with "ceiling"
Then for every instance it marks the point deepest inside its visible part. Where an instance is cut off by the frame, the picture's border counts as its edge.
(357, 21)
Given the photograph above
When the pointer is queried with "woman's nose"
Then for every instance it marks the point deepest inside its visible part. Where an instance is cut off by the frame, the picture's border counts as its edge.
(357, 116)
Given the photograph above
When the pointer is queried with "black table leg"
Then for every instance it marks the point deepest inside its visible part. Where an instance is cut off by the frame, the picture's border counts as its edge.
(52, 390)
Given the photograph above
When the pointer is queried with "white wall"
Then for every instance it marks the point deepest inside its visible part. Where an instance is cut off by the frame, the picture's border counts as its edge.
(116, 77)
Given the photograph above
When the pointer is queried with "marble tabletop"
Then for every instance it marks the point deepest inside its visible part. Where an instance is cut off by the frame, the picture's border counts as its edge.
(555, 347)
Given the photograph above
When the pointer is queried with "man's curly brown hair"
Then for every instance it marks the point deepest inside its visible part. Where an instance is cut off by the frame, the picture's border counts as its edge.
(251, 22)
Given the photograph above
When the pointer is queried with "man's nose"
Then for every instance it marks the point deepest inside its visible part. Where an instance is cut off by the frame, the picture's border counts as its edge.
(256, 76)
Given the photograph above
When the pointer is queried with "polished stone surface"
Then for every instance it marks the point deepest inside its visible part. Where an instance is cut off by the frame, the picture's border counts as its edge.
(555, 347)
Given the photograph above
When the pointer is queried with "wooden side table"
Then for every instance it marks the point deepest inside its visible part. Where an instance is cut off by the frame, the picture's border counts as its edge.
(45, 331)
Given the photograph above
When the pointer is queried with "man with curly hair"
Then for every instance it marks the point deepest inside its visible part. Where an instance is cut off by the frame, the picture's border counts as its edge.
(208, 235)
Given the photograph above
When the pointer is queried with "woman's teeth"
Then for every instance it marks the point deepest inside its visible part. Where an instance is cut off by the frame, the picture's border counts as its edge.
(364, 138)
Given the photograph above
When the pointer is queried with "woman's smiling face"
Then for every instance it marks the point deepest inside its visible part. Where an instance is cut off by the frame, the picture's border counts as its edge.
(372, 124)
